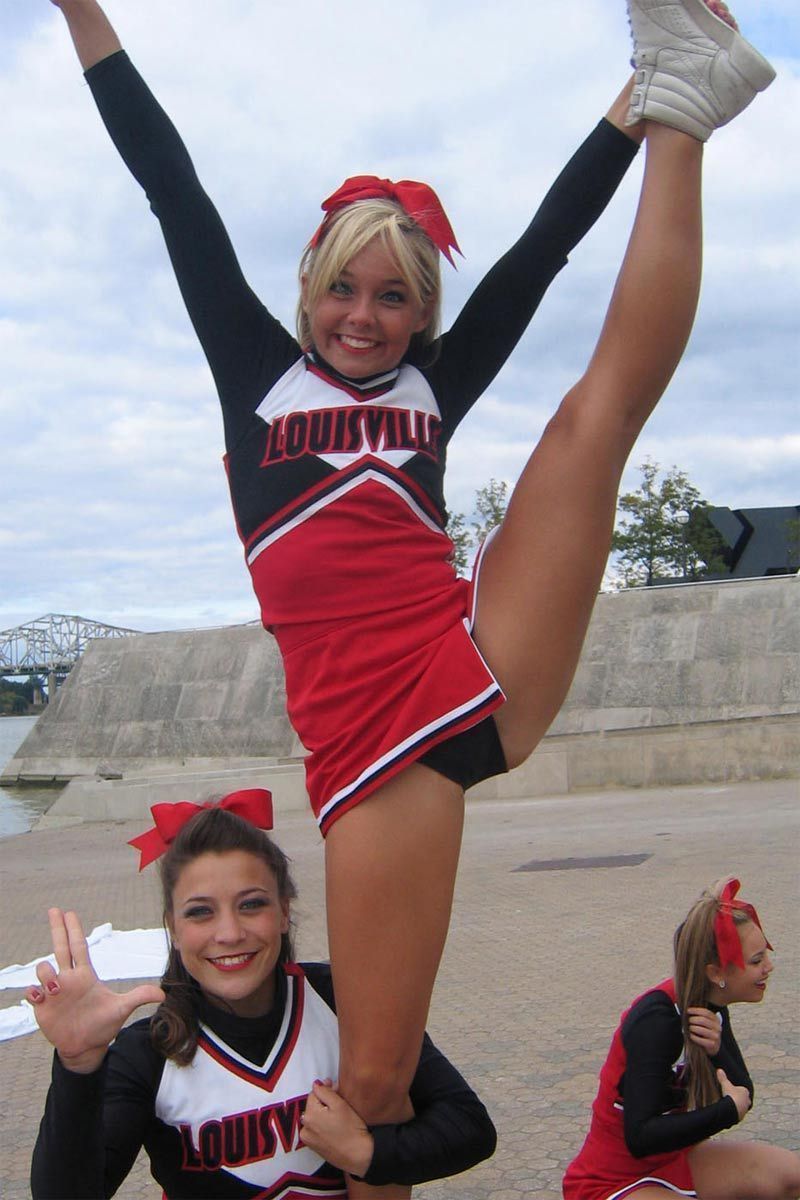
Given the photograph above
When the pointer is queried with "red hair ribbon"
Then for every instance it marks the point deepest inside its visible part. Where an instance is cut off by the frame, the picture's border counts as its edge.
(418, 200)
(253, 804)
(729, 946)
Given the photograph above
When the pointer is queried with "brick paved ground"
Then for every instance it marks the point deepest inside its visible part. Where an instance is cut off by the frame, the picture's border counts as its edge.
(537, 967)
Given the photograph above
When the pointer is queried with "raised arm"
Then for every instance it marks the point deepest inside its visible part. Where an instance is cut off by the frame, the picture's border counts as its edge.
(76, 1154)
(500, 309)
(90, 29)
(75, 1011)
(246, 348)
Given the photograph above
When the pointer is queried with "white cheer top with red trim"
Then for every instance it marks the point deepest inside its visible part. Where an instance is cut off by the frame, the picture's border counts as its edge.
(245, 1120)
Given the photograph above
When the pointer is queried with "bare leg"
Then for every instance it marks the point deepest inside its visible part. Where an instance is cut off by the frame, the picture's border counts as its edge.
(542, 569)
(651, 1192)
(389, 885)
(390, 869)
(744, 1171)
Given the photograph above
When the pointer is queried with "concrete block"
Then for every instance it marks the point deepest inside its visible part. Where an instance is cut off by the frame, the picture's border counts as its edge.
(595, 760)
(749, 595)
(588, 687)
(772, 680)
(784, 634)
(608, 638)
(159, 702)
(130, 799)
(677, 759)
(203, 700)
(101, 664)
(664, 637)
(727, 634)
(544, 774)
(139, 741)
(713, 689)
(647, 685)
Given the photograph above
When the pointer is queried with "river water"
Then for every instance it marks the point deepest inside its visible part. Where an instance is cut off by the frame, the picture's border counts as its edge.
(20, 807)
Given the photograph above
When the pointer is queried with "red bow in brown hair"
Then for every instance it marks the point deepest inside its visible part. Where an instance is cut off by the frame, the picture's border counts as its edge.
(253, 804)
(729, 946)
(417, 199)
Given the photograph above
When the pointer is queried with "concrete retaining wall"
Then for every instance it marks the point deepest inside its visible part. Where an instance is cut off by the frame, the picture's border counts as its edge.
(160, 700)
(675, 685)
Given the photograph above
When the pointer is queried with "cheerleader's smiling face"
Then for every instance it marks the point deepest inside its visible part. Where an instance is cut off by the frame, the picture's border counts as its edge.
(226, 922)
(363, 324)
(744, 984)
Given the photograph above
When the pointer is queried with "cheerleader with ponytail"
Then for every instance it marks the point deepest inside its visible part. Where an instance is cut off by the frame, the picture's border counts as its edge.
(675, 1076)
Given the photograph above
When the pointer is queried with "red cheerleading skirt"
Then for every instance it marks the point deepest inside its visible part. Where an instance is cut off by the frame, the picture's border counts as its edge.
(605, 1170)
(374, 628)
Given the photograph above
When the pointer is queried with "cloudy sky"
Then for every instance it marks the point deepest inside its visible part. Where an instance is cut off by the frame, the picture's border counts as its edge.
(113, 501)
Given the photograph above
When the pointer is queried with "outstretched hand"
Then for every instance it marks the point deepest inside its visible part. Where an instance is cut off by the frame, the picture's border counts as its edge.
(739, 1095)
(705, 1030)
(75, 1011)
(335, 1131)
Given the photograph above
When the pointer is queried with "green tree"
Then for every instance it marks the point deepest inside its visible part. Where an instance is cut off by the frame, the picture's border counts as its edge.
(15, 697)
(665, 532)
(491, 502)
(461, 539)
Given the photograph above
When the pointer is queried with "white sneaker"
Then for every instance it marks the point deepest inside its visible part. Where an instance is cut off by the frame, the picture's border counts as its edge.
(693, 71)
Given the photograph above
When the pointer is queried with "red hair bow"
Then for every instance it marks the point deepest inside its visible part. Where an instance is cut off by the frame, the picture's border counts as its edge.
(418, 200)
(729, 946)
(253, 804)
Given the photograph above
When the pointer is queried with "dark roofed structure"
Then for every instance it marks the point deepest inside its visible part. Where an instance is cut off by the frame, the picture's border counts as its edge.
(759, 541)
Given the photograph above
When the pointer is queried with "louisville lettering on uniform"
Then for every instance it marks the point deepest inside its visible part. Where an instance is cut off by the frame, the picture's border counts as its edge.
(244, 1137)
(351, 431)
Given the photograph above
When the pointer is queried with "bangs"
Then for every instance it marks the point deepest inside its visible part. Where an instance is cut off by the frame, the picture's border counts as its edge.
(350, 231)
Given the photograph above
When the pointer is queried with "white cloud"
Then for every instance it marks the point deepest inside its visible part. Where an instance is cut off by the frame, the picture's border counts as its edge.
(113, 500)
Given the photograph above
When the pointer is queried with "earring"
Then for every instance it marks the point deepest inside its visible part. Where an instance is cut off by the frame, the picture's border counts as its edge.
(722, 983)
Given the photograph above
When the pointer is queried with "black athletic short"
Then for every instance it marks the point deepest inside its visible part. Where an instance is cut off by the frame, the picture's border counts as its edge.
(470, 756)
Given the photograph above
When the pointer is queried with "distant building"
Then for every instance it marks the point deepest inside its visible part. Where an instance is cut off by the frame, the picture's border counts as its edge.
(758, 541)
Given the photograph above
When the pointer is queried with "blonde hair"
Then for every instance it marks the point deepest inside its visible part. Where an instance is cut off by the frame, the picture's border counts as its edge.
(695, 948)
(346, 234)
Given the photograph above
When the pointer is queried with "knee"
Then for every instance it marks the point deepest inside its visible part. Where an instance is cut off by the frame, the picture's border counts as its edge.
(791, 1182)
(784, 1184)
(519, 752)
(520, 741)
(377, 1091)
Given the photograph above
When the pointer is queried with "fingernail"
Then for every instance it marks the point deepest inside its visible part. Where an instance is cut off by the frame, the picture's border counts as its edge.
(36, 996)
(52, 987)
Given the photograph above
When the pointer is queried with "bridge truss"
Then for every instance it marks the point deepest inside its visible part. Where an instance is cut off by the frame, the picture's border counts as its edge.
(51, 645)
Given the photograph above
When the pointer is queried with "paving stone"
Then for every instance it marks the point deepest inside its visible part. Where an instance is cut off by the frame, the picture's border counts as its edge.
(537, 967)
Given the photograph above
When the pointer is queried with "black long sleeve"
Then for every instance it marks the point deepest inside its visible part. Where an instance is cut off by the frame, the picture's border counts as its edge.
(246, 348)
(653, 1042)
(451, 1131)
(244, 344)
(500, 309)
(95, 1125)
